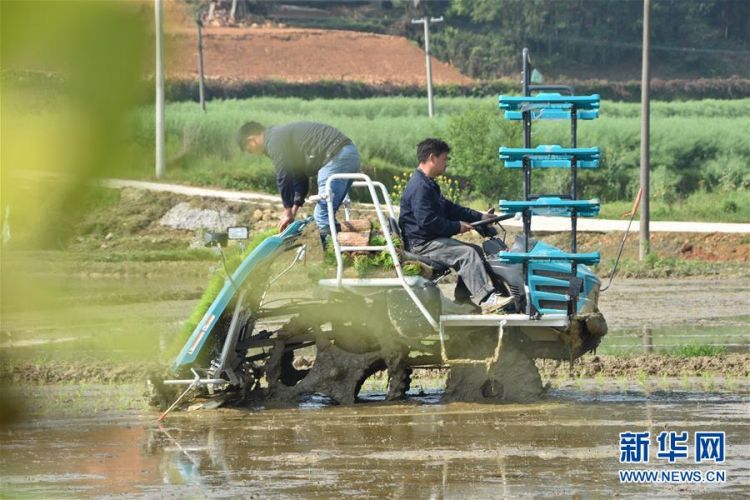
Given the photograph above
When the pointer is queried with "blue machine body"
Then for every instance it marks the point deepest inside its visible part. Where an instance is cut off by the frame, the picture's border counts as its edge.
(548, 274)
(549, 281)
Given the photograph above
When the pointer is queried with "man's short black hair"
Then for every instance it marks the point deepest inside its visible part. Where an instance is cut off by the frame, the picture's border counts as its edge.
(247, 130)
(431, 146)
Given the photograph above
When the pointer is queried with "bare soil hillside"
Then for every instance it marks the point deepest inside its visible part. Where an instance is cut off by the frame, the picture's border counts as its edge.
(303, 55)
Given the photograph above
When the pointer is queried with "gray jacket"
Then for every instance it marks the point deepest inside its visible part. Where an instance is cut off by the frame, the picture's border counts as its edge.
(298, 150)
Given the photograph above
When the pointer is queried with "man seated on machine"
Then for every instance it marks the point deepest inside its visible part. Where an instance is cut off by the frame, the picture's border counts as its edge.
(428, 221)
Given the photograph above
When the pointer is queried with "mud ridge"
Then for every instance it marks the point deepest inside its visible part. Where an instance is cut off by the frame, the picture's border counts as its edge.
(734, 364)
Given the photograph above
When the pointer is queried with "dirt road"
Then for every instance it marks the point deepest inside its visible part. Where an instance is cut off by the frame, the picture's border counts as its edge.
(538, 223)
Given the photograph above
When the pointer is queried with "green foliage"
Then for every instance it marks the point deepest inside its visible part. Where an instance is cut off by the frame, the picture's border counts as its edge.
(692, 351)
(412, 269)
(475, 136)
(484, 38)
(367, 264)
(451, 188)
(179, 254)
(655, 266)
(187, 90)
(699, 149)
(234, 257)
(716, 206)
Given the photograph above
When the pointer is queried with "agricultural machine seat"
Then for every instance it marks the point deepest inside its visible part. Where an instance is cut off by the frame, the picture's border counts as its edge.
(438, 268)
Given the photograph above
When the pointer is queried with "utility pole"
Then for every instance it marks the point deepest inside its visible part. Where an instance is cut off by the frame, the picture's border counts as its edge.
(427, 22)
(159, 80)
(645, 124)
(201, 76)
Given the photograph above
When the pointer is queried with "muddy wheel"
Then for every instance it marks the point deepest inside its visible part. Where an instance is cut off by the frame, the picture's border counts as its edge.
(290, 375)
(514, 377)
(399, 373)
(377, 366)
(280, 366)
(399, 381)
(334, 373)
(355, 338)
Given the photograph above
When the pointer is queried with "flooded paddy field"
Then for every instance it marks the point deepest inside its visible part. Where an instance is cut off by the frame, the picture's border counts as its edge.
(565, 445)
(80, 438)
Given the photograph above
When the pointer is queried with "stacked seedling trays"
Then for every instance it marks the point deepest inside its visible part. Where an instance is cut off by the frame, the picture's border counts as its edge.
(553, 284)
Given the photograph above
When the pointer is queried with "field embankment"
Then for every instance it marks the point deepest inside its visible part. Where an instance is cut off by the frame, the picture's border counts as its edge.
(700, 150)
(111, 294)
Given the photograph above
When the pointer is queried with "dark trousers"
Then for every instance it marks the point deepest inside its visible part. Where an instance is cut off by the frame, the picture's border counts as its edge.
(464, 258)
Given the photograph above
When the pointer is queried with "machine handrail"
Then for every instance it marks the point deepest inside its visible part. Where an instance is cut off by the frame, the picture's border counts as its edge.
(362, 180)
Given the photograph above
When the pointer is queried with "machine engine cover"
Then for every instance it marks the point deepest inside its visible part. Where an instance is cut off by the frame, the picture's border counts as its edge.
(404, 314)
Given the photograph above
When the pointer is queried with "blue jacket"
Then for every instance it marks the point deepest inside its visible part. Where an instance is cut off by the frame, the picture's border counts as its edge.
(426, 214)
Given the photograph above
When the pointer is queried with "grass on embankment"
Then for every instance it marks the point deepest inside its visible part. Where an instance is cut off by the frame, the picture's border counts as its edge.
(700, 150)
(699, 206)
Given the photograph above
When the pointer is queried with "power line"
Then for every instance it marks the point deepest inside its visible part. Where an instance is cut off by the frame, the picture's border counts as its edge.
(626, 45)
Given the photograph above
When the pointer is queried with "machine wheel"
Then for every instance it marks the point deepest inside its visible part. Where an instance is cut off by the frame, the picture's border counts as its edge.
(290, 375)
(514, 377)
(399, 381)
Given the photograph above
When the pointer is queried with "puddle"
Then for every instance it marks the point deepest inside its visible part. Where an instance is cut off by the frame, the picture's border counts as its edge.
(564, 445)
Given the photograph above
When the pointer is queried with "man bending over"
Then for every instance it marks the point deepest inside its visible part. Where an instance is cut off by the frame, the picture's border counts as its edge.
(299, 151)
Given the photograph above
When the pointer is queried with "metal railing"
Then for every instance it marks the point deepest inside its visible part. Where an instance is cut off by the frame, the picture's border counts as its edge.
(362, 180)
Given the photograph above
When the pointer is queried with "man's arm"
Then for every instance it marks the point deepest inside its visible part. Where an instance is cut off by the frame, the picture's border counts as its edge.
(301, 188)
(426, 208)
(288, 188)
(285, 183)
(457, 212)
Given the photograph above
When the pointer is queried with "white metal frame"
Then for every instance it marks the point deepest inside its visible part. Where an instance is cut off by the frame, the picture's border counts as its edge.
(362, 180)
(501, 321)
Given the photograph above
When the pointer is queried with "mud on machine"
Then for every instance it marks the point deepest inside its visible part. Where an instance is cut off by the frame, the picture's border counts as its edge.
(328, 341)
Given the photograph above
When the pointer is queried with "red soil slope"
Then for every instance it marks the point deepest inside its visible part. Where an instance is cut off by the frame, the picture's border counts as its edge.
(303, 55)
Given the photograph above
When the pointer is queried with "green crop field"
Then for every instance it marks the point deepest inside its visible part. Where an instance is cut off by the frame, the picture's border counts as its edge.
(700, 150)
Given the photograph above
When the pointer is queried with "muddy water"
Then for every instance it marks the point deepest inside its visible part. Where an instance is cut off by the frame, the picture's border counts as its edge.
(565, 445)
(634, 303)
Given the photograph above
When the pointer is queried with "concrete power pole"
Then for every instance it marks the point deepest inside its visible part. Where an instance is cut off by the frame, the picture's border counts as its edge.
(645, 124)
(201, 75)
(426, 22)
(159, 80)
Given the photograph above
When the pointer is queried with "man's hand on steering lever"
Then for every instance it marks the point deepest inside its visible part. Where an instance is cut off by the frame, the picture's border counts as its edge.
(465, 227)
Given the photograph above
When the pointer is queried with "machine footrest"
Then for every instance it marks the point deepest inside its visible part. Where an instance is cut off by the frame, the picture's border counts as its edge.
(501, 321)
(548, 320)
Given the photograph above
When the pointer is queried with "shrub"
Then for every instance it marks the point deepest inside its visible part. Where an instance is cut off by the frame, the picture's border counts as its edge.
(475, 136)
(450, 188)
